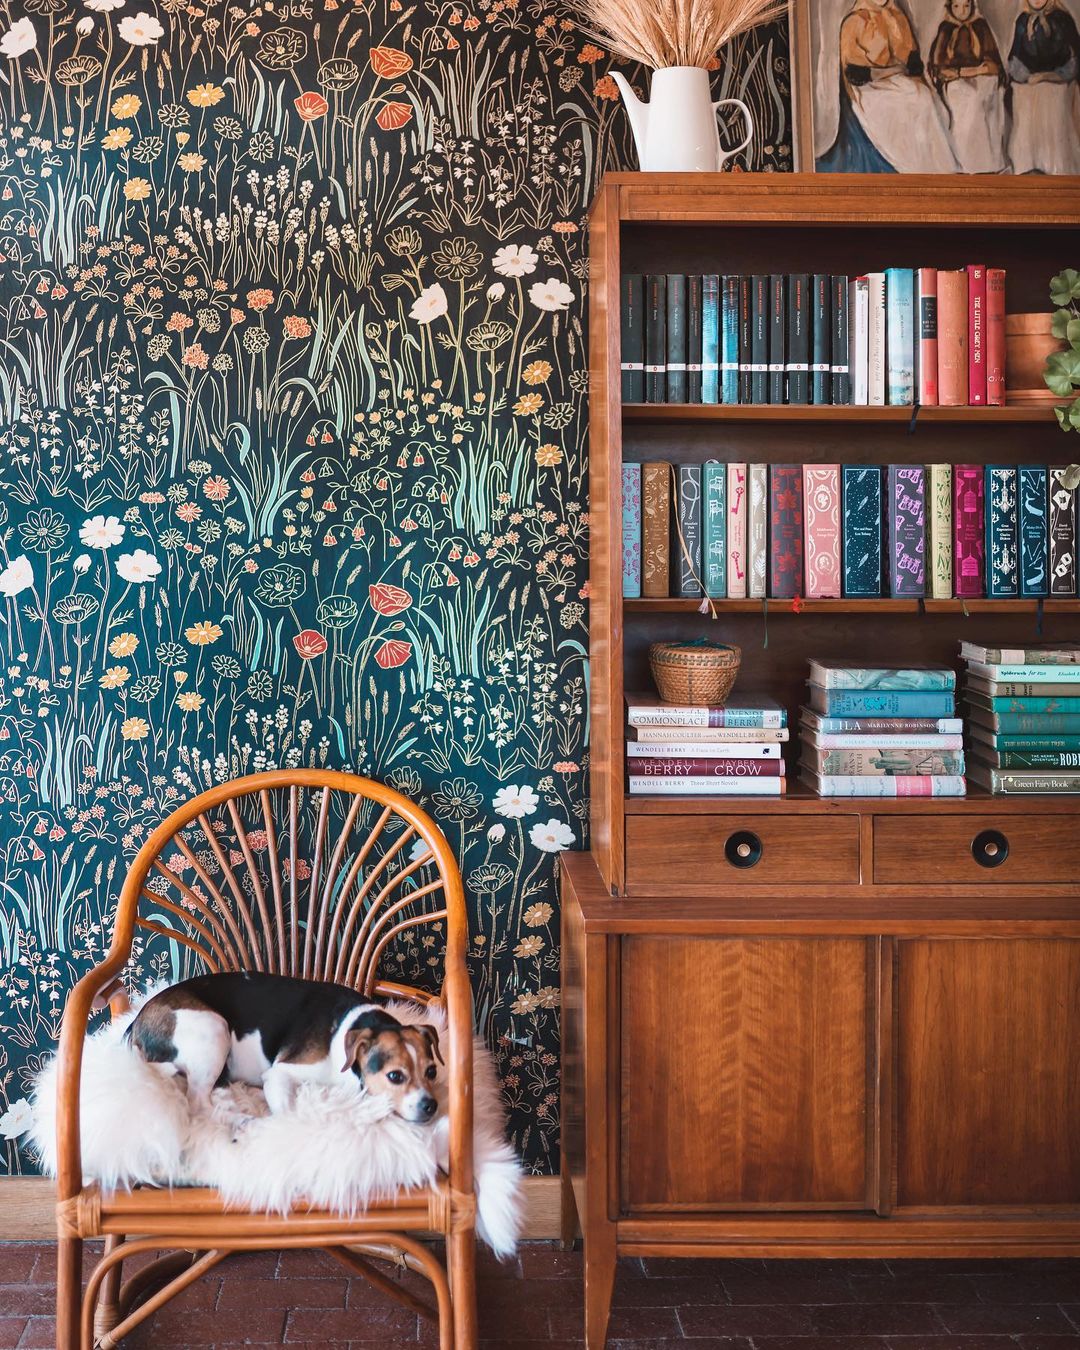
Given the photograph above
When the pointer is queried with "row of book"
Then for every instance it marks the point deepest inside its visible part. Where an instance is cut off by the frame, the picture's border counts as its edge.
(902, 336)
(733, 750)
(735, 531)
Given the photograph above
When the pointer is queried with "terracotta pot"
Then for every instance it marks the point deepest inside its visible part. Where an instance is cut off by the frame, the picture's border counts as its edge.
(1028, 342)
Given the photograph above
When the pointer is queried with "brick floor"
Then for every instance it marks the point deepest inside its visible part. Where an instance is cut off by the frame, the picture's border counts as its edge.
(305, 1299)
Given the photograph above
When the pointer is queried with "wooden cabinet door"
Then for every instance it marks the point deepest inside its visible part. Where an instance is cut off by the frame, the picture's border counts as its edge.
(988, 1063)
(744, 1072)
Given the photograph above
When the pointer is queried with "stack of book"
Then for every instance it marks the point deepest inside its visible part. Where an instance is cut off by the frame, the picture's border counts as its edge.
(901, 336)
(1023, 716)
(874, 731)
(733, 750)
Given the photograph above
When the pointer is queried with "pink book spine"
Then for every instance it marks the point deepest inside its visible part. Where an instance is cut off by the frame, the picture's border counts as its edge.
(821, 508)
(995, 336)
(969, 549)
(736, 532)
(927, 321)
(977, 335)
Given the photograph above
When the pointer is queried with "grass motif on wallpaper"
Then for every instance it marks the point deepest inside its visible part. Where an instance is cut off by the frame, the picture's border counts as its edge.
(292, 408)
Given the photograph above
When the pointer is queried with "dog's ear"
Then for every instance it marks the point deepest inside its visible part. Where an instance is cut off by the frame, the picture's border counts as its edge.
(431, 1036)
(358, 1041)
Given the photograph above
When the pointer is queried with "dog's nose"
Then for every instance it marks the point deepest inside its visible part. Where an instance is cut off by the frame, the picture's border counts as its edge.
(428, 1107)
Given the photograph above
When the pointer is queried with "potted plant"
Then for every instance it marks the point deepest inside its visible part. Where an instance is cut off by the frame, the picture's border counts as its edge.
(1062, 369)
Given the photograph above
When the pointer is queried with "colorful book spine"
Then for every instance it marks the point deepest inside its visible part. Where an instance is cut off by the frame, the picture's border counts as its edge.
(757, 530)
(885, 764)
(820, 339)
(676, 338)
(687, 749)
(785, 530)
(969, 550)
(1032, 671)
(708, 787)
(632, 355)
(729, 340)
(927, 348)
(680, 767)
(861, 532)
(656, 339)
(882, 702)
(747, 737)
(888, 726)
(655, 515)
(631, 531)
(1004, 782)
(837, 675)
(1062, 533)
(900, 335)
(821, 512)
(1067, 703)
(859, 339)
(840, 357)
(1035, 759)
(899, 741)
(1041, 743)
(995, 336)
(736, 532)
(714, 528)
(1030, 724)
(710, 338)
(1033, 525)
(952, 338)
(695, 315)
(1051, 654)
(798, 338)
(898, 785)
(877, 358)
(686, 531)
(746, 338)
(906, 516)
(759, 339)
(940, 530)
(777, 338)
(1002, 575)
(730, 714)
(976, 274)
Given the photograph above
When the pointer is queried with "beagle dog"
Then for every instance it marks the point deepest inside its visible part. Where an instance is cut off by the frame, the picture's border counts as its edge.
(279, 1032)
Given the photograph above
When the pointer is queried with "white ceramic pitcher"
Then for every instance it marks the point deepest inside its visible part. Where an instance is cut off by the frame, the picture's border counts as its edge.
(676, 131)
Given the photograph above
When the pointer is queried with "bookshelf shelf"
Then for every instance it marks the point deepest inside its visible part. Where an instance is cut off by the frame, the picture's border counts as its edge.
(678, 413)
(676, 605)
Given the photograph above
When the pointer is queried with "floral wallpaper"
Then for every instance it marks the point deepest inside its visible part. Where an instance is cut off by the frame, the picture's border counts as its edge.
(292, 458)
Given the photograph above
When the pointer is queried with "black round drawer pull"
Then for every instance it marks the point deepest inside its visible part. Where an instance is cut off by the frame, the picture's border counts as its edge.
(990, 848)
(743, 849)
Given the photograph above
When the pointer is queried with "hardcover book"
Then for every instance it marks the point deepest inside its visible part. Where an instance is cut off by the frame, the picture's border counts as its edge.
(859, 339)
(798, 338)
(1045, 741)
(729, 340)
(940, 530)
(882, 702)
(708, 787)
(840, 380)
(821, 512)
(785, 530)
(976, 274)
(631, 531)
(900, 335)
(777, 338)
(690, 749)
(757, 529)
(1030, 671)
(1034, 528)
(882, 763)
(1062, 533)
(817, 724)
(821, 339)
(736, 532)
(745, 736)
(861, 529)
(676, 339)
(655, 517)
(968, 544)
(1045, 654)
(1043, 703)
(1033, 759)
(995, 336)
(1002, 576)
(759, 339)
(656, 338)
(1006, 781)
(842, 675)
(1027, 724)
(714, 528)
(926, 279)
(746, 338)
(678, 767)
(741, 710)
(1019, 689)
(632, 356)
(686, 529)
(695, 318)
(877, 358)
(952, 310)
(901, 741)
(710, 338)
(906, 517)
(898, 785)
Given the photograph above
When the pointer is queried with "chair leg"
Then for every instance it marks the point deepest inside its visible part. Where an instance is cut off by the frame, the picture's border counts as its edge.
(107, 1313)
(69, 1252)
(461, 1265)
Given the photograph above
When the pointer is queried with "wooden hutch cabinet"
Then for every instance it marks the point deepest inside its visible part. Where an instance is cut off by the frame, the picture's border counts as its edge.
(859, 1036)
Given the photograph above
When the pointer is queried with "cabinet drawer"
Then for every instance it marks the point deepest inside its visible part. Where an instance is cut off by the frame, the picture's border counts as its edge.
(956, 849)
(696, 855)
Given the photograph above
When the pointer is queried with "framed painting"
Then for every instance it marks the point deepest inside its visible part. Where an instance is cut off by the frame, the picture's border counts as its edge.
(936, 86)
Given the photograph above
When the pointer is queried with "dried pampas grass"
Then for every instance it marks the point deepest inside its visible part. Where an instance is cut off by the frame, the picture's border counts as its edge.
(662, 33)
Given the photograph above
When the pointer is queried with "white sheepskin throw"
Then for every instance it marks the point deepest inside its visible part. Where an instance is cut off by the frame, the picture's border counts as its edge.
(337, 1148)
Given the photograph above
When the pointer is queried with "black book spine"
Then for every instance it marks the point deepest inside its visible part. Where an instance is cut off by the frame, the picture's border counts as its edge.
(821, 345)
(841, 371)
(656, 339)
(798, 333)
(633, 339)
(693, 339)
(676, 339)
(745, 339)
(777, 338)
(759, 339)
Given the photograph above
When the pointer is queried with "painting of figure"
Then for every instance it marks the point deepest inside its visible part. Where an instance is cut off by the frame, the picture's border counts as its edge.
(1044, 65)
(966, 70)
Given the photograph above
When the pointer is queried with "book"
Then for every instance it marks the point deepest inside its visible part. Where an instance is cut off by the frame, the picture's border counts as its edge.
(695, 316)
(939, 530)
(710, 338)
(899, 335)
(1025, 703)
(746, 338)
(898, 785)
(1006, 781)
(821, 543)
(1033, 672)
(676, 338)
(1031, 759)
(995, 336)
(840, 375)
(820, 339)
(675, 766)
(746, 710)
(798, 338)
(876, 345)
(1062, 533)
(686, 749)
(777, 338)
(759, 338)
(881, 702)
(1019, 689)
(818, 724)
(906, 520)
(859, 339)
(983, 736)
(926, 302)
(1027, 724)
(785, 530)
(656, 338)
(883, 741)
(708, 787)
(1002, 576)
(1034, 529)
(736, 532)
(952, 308)
(861, 529)
(662, 735)
(841, 675)
(1045, 654)
(714, 528)
(976, 274)
(655, 515)
(632, 354)
(631, 531)
(686, 530)
(729, 339)
(757, 529)
(882, 763)
(969, 556)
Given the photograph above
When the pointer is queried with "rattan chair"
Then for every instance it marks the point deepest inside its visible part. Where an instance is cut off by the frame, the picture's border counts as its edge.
(306, 872)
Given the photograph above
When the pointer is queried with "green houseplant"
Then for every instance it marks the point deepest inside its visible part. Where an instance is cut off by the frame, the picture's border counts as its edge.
(1062, 370)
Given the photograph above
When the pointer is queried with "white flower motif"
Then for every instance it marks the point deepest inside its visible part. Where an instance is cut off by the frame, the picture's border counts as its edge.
(16, 577)
(137, 567)
(515, 802)
(496, 834)
(420, 850)
(551, 294)
(496, 291)
(85, 26)
(141, 29)
(81, 564)
(21, 37)
(429, 304)
(552, 837)
(17, 1120)
(101, 532)
(103, 6)
(515, 260)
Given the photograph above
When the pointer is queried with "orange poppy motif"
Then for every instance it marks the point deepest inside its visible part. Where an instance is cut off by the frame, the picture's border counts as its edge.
(389, 62)
(393, 653)
(394, 116)
(387, 600)
(311, 106)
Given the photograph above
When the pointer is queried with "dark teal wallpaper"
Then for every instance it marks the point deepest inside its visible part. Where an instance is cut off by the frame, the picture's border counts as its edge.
(292, 462)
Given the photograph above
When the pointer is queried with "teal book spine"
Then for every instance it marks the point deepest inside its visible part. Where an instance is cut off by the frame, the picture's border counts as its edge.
(693, 339)
(1067, 703)
(710, 338)
(632, 356)
(656, 339)
(714, 514)
(676, 339)
(729, 340)
(1033, 724)
(899, 335)
(999, 496)
(882, 702)
(1031, 744)
(631, 531)
(821, 340)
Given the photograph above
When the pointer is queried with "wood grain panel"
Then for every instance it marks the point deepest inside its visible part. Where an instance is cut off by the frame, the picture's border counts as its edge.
(988, 1084)
(940, 850)
(744, 1072)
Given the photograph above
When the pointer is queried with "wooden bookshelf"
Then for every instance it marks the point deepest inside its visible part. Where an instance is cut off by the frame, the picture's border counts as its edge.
(767, 608)
(1022, 413)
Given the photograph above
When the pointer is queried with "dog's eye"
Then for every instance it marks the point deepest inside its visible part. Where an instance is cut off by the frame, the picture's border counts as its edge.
(431, 1071)
(395, 1076)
